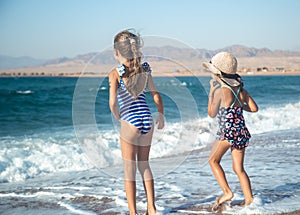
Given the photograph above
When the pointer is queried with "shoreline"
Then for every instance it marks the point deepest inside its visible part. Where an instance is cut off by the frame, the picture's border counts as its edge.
(153, 75)
(248, 66)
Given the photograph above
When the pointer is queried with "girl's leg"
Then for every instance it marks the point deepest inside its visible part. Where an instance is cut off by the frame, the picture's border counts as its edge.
(145, 170)
(128, 141)
(238, 168)
(219, 149)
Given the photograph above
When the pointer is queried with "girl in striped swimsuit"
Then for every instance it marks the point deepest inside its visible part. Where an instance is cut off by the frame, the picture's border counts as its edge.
(127, 101)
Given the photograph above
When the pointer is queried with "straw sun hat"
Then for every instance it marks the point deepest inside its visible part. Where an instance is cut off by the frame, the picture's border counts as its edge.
(224, 65)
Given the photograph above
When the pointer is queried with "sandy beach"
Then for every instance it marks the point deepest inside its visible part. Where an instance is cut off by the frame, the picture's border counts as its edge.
(35, 72)
(247, 66)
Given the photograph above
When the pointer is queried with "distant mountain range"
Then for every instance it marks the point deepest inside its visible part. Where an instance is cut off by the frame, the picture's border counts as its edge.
(7, 62)
(153, 53)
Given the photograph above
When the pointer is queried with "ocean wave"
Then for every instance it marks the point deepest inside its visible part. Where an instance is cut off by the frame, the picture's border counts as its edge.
(274, 119)
(24, 92)
(26, 157)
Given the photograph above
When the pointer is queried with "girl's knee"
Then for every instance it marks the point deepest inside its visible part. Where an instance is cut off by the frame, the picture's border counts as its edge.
(238, 170)
(145, 170)
(212, 161)
(129, 170)
(143, 165)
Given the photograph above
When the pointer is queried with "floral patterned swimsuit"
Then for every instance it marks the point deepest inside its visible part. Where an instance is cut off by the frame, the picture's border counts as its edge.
(232, 125)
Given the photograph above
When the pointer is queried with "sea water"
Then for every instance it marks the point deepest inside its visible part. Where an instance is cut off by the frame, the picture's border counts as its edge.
(60, 154)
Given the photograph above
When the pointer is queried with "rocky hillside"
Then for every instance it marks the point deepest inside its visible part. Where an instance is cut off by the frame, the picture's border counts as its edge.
(156, 54)
(169, 52)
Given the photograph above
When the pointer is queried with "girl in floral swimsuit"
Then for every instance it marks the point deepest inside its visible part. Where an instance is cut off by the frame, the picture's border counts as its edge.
(227, 100)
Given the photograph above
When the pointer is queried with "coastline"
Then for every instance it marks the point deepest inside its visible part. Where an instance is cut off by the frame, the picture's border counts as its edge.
(164, 74)
(258, 66)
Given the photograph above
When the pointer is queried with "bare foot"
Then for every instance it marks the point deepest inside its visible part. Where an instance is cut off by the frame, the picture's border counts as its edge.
(222, 199)
(247, 202)
(226, 197)
(150, 212)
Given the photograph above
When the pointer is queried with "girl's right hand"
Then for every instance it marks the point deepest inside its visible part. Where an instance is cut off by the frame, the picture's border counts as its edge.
(160, 121)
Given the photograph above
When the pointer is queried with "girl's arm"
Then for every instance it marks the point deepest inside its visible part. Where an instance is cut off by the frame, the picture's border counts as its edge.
(249, 103)
(214, 99)
(158, 102)
(113, 87)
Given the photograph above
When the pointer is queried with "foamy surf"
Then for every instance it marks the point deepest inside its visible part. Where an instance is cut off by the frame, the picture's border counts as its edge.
(26, 157)
(188, 187)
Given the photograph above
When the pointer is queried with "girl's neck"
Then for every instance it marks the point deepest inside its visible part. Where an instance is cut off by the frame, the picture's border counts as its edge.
(127, 64)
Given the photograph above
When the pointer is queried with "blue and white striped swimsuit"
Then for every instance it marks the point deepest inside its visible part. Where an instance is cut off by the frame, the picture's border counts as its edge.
(134, 111)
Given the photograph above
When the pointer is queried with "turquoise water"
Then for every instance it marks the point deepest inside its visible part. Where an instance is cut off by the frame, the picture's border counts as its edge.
(29, 105)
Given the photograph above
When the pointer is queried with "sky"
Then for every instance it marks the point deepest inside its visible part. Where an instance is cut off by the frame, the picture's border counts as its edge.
(47, 29)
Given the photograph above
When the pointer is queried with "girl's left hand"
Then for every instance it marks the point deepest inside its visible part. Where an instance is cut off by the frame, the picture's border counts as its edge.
(214, 84)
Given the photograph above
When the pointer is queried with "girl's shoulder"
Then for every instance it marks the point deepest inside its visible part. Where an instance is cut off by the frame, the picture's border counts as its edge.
(221, 89)
(218, 93)
(114, 73)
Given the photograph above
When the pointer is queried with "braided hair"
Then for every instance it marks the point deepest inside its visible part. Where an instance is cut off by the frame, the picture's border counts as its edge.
(129, 45)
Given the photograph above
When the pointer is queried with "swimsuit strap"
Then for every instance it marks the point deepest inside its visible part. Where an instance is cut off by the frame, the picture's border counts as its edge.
(235, 95)
(146, 67)
(121, 69)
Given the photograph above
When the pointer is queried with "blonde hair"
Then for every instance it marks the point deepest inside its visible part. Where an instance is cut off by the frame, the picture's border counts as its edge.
(129, 45)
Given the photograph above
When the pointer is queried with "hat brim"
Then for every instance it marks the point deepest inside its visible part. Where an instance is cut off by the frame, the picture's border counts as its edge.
(230, 81)
(211, 68)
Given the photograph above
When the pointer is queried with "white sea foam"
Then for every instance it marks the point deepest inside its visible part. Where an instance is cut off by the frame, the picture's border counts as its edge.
(274, 119)
(260, 207)
(74, 210)
(24, 91)
(191, 184)
(30, 156)
(27, 157)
